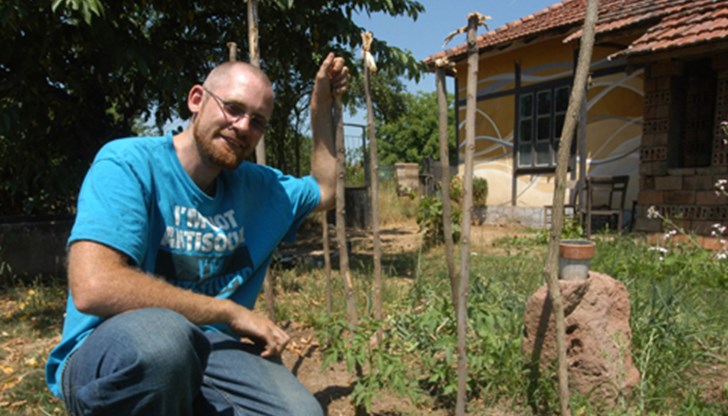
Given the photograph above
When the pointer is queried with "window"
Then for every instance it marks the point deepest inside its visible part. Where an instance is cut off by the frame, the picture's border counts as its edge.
(540, 120)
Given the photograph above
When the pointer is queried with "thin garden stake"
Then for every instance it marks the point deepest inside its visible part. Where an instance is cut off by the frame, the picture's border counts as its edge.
(474, 20)
(254, 51)
(442, 65)
(255, 61)
(369, 68)
(572, 114)
(341, 215)
(327, 262)
(232, 51)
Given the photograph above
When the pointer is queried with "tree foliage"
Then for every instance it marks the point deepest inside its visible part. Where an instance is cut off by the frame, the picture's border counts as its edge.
(413, 135)
(75, 74)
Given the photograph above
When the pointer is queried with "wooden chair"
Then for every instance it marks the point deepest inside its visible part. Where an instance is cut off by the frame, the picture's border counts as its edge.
(569, 208)
(602, 200)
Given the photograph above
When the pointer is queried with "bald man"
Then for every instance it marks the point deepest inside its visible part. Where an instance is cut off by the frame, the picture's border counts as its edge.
(168, 254)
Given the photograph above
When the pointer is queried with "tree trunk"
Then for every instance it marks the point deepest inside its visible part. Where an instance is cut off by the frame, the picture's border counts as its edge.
(557, 224)
(341, 217)
(374, 201)
(462, 311)
(445, 186)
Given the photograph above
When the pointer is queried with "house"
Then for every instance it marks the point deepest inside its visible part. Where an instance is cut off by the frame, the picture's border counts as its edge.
(657, 93)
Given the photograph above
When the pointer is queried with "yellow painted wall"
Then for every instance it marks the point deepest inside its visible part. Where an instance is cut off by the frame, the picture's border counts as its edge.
(614, 118)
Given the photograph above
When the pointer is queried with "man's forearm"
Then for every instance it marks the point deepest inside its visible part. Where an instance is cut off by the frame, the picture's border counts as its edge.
(323, 157)
(332, 80)
(103, 285)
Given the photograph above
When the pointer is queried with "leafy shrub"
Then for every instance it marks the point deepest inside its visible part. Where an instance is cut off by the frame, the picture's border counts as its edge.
(429, 215)
(480, 191)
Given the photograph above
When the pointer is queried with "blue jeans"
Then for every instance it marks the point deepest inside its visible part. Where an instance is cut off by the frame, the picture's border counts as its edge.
(155, 362)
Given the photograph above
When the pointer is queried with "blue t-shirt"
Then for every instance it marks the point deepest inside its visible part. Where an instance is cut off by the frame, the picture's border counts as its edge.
(138, 199)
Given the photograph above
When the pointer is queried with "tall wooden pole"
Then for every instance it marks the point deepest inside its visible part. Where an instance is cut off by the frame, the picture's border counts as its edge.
(474, 20)
(369, 68)
(552, 270)
(255, 61)
(341, 215)
(232, 51)
(254, 51)
(442, 65)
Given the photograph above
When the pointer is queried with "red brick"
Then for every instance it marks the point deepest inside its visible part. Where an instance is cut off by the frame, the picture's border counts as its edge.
(661, 139)
(649, 198)
(649, 85)
(698, 183)
(648, 225)
(703, 227)
(649, 139)
(663, 111)
(710, 198)
(710, 243)
(668, 183)
(679, 197)
(653, 168)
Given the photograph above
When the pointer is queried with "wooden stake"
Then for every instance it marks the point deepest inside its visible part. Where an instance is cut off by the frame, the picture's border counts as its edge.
(232, 51)
(474, 19)
(374, 180)
(552, 271)
(442, 65)
(341, 216)
(255, 61)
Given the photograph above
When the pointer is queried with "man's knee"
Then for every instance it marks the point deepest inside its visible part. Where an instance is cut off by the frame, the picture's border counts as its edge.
(160, 340)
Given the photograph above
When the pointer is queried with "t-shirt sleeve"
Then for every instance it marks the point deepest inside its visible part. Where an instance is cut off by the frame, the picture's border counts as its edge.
(112, 208)
(305, 196)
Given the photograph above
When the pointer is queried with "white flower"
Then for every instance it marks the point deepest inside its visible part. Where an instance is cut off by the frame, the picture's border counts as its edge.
(652, 212)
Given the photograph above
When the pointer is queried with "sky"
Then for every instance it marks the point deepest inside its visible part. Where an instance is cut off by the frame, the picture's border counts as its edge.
(425, 36)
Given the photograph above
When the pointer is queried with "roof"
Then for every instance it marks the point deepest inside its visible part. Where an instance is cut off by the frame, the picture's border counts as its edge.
(667, 24)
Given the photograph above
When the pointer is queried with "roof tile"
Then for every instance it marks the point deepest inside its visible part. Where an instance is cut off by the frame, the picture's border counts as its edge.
(668, 24)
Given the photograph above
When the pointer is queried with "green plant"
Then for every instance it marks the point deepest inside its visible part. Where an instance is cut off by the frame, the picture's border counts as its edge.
(480, 191)
(383, 361)
(430, 215)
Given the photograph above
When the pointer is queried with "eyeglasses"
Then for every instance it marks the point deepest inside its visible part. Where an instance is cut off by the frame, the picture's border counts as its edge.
(237, 112)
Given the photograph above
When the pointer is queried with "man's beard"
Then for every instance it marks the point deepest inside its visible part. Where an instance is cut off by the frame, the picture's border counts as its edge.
(225, 155)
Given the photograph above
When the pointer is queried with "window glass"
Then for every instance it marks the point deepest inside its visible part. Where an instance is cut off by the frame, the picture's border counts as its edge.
(524, 155)
(540, 120)
(562, 99)
(544, 128)
(527, 105)
(525, 131)
(543, 154)
(544, 102)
